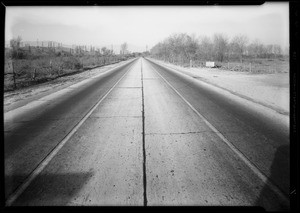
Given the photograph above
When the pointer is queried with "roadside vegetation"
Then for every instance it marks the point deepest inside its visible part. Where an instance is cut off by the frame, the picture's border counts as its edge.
(236, 54)
(29, 65)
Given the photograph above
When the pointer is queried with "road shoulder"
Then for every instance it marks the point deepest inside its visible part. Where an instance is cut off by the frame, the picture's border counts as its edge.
(268, 90)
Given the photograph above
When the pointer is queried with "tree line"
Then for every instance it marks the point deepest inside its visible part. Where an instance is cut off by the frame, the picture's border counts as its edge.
(181, 48)
(18, 48)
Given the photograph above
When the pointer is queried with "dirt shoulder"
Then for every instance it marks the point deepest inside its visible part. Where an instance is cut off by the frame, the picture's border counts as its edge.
(20, 97)
(269, 90)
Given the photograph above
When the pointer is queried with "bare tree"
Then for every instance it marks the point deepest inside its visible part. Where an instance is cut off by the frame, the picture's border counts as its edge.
(220, 46)
(106, 53)
(182, 47)
(124, 47)
(256, 49)
(239, 44)
(277, 50)
(191, 46)
(174, 44)
(15, 44)
(205, 49)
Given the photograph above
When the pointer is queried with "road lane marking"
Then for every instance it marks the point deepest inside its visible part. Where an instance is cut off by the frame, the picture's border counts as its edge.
(252, 166)
(56, 149)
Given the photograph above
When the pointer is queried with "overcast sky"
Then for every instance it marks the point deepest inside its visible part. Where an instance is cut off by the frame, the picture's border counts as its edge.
(143, 25)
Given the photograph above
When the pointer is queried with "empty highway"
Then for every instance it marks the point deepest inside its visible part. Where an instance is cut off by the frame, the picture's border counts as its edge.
(142, 134)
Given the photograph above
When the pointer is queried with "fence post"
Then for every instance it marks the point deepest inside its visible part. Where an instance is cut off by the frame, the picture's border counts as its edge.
(34, 74)
(58, 70)
(14, 74)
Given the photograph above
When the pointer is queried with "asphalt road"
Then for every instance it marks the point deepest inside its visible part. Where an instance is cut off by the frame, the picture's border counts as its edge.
(145, 135)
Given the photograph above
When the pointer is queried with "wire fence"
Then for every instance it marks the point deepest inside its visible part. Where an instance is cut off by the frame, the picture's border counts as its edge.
(23, 72)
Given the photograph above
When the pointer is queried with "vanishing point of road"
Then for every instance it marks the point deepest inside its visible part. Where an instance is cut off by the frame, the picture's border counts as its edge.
(142, 134)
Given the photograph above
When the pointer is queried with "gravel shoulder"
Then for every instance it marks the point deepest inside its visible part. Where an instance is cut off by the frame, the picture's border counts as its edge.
(269, 90)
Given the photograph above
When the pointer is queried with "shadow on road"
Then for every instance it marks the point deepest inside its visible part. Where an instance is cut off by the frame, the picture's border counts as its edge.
(50, 189)
(280, 176)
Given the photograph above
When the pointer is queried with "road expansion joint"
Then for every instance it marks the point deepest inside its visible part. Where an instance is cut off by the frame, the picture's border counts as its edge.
(144, 149)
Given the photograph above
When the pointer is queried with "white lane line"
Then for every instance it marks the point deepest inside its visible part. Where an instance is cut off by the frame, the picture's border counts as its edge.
(49, 157)
(253, 167)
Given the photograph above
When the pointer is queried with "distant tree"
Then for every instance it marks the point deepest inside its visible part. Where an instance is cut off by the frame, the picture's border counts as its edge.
(124, 47)
(256, 49)
(232, 51)
(277, 50)
(270, 50)
(191, 46)
(183, 47)
(239, 44)
(205, 49)
(220, 46)
(105, 51)
(15, 44)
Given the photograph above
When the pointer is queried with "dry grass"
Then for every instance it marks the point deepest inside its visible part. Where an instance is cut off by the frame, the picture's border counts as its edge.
(257, 66)
(47, 67)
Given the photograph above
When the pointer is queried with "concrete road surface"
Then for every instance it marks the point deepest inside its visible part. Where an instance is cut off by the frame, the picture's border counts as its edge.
(141, 135)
